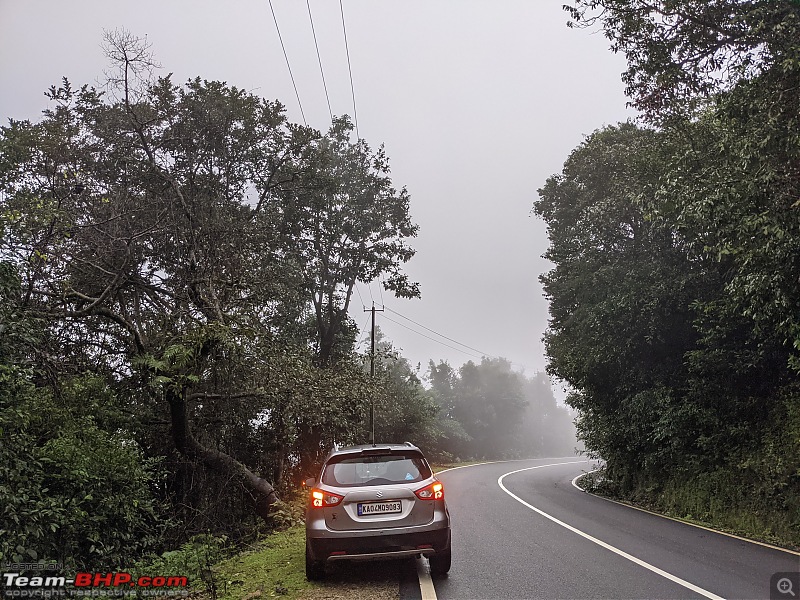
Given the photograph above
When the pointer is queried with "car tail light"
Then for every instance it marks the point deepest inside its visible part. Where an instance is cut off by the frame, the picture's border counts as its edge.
(434, 491)
(321, 498)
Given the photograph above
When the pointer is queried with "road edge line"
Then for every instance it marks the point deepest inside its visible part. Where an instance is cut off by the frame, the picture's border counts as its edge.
(497, 462)
(650, 512)
(423, 567)
(426, 587)
(601, 543)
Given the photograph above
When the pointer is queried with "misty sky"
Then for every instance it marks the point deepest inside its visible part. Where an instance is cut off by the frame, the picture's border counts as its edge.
(477, 103)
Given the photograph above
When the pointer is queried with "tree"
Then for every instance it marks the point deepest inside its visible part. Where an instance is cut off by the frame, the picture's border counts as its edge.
(683, 52)
(71, 491)
(695, 429)
(451, 437)
(546, 429)
(404, 410)
(487, 410)
(489, 405)
(346, 223)
(651, 321)
(181, 239)
(620, 295)
(119, 217)
(724, 76)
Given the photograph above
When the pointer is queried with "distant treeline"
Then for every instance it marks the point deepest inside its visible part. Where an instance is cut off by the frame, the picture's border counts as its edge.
(675, 297)
(176, 268)
(483, 411)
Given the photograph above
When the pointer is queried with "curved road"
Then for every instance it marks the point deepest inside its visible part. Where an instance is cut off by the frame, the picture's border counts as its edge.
(540, 537)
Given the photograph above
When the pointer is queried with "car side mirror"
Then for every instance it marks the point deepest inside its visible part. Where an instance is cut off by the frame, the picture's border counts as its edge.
(310, 482)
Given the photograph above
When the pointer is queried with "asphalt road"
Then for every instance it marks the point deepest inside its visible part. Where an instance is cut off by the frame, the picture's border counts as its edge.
(555, 541)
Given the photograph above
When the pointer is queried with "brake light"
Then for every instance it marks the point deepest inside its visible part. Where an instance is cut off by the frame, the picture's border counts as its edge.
(321, 498)
(434, 491)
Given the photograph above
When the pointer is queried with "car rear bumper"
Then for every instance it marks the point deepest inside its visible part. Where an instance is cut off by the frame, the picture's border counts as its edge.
(387, 545)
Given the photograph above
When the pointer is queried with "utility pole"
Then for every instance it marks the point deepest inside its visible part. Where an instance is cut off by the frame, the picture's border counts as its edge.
(373, 310)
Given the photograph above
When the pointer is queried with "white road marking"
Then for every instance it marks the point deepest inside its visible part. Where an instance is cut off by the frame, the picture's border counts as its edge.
(650, 512)
(425, 582)
(601, 543)
(495, 462)
(575, 480)
(423, 567)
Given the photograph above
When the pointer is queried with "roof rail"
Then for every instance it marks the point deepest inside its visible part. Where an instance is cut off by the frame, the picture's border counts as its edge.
(408, 443)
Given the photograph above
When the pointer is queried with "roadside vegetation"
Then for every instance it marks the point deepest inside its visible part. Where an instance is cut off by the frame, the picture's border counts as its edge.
(674, 299)
(271, 567)
(746, 524)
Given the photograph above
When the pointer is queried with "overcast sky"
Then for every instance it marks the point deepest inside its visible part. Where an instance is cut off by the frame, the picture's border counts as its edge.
(477, 103)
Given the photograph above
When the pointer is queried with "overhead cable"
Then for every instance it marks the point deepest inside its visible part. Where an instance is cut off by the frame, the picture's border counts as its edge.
(364, 335)
(360, 297)
(371, 297)
(319, 58)
(288, 66)
(428, 337)
(481, 352)
(380, 289)
(350, 70)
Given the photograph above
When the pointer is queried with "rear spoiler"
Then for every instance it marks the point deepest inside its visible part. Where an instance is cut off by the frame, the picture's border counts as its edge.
(385, 451)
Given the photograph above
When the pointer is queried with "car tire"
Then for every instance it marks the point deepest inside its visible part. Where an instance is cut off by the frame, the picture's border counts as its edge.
(440, 562)
(315, 569)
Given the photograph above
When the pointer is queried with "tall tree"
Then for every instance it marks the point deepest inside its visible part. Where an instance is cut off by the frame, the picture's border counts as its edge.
(619, 294)
(183, 238)
(404, 410)
(120, 218)
(346, 223)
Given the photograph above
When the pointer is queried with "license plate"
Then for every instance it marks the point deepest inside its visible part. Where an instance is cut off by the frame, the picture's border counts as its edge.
(379, 508)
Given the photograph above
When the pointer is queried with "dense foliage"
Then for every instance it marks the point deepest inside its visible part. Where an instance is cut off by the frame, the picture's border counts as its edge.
(674, 296)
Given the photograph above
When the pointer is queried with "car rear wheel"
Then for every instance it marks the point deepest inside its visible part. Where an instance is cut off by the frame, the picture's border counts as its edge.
(315, 569)
(440, 562)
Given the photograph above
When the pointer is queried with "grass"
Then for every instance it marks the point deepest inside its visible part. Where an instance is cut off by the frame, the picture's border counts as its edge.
(696, 505)
(273, 568)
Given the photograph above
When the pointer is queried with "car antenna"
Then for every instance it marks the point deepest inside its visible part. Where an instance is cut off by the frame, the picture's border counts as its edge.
(373, 310)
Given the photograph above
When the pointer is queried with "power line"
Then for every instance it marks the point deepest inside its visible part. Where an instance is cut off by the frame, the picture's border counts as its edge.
(440, 335)
(483, 354)
(363, 304)
(286, 56)
(430, 338)
(380, 289)
(350, 70)
(369, 287)
(364, 335)
(319, 58)
(355, 116)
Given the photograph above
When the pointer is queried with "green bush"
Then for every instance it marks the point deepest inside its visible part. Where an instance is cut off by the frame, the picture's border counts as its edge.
(192, 560)
(70, 492)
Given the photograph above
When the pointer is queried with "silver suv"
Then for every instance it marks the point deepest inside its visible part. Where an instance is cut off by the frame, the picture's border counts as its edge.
(376, 502)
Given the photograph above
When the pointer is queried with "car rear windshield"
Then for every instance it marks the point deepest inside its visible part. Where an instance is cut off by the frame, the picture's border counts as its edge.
(375, 470)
